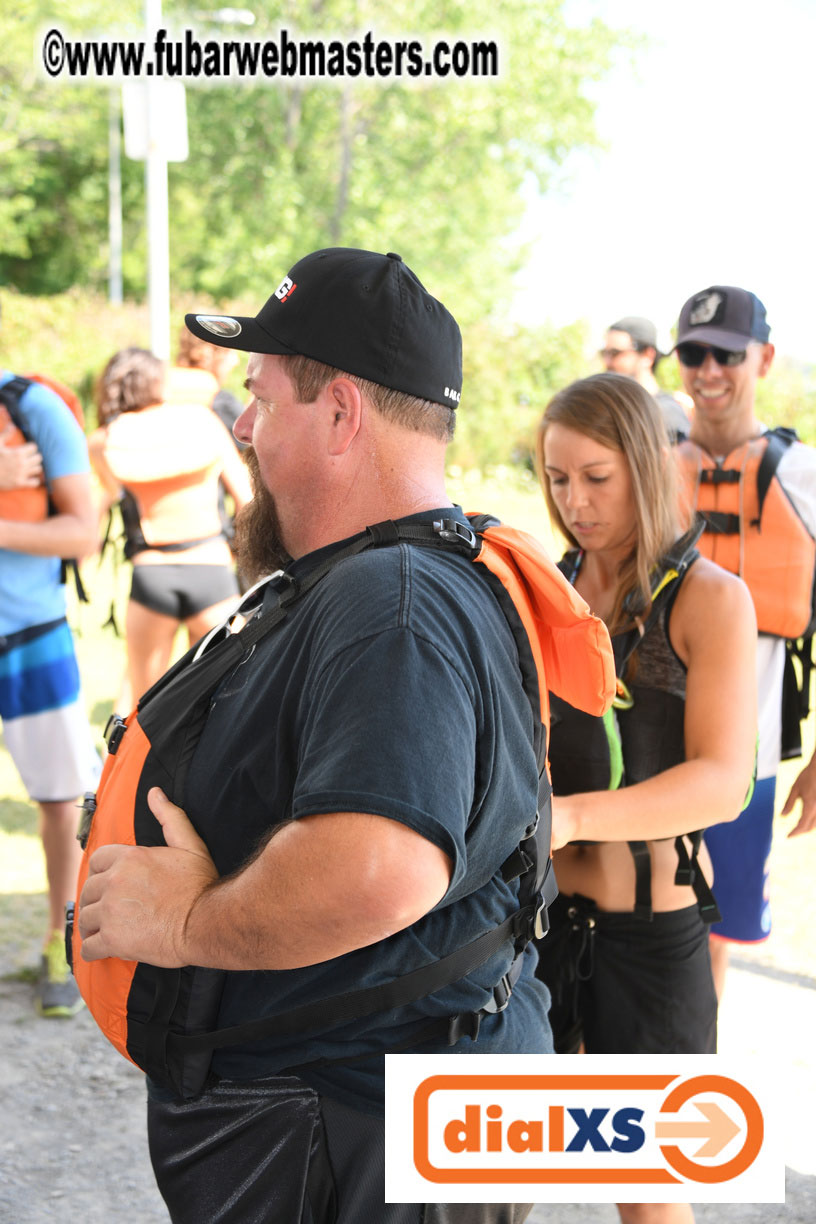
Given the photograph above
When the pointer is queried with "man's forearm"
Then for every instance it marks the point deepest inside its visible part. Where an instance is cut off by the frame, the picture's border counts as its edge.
(61, 535)
(321, 887)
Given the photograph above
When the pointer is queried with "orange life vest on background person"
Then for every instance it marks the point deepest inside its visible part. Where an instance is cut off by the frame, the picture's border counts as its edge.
(162, 1019)
(753, 528)
(190, 385)
(29, 505)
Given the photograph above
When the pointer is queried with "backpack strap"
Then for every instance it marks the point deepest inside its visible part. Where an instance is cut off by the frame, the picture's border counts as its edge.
(778, 441)
(11, 393)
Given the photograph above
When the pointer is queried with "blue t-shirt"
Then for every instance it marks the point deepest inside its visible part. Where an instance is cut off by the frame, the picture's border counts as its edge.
(30, 589)
(393, 687)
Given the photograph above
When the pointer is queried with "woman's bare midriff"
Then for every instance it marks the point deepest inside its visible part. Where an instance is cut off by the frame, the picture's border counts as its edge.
(209, 552)
(605, 872)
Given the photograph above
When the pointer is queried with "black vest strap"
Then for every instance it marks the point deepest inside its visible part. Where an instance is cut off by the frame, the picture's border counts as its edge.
(690, 872)
(778, 441)
(357, 1003)
(643, 879)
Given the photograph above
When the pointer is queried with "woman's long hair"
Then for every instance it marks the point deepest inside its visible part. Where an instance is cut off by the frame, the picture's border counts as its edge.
(617, 412)
(132, 379)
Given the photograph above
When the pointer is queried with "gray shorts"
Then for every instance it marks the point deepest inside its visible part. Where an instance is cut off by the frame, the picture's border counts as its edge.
(182, 591)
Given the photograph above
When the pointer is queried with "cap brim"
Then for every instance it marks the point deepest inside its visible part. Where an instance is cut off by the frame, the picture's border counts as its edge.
(733, 341)
(236, 332)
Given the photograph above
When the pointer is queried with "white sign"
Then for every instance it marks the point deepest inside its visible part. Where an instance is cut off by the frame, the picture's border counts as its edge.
(595, 1128)
(168, 111)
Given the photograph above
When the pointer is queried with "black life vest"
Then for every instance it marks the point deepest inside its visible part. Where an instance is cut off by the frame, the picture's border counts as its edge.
(641, 735)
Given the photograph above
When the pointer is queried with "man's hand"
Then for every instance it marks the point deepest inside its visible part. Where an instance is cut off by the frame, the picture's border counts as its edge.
(804, 788)
(20, 466)
(137, 899)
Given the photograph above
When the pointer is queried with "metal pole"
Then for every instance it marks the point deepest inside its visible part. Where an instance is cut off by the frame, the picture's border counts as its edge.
(114, 200)
(158, 243)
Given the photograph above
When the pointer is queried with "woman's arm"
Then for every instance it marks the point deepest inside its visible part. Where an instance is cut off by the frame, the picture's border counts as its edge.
(713, 630)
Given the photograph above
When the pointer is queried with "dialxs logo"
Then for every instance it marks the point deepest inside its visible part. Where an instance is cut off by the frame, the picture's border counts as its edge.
(642, 1128)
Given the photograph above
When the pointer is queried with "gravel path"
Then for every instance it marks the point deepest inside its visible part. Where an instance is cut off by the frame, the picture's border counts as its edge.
(73, 1143)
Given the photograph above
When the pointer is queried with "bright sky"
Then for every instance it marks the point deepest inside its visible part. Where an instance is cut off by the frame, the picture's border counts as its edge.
(708, 176)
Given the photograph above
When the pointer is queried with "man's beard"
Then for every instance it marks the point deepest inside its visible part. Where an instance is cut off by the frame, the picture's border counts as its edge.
(258, 546)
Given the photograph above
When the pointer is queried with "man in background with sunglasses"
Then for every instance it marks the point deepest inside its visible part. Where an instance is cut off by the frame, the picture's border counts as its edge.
(630, 347)
(756, 488)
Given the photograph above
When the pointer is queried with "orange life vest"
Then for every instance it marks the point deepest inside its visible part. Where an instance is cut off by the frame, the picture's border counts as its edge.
(162, 1019)
(28, 505)
(753, 528)
(190, 385)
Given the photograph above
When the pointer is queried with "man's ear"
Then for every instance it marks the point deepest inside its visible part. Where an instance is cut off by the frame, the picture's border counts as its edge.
(768, 351)
(344, 402)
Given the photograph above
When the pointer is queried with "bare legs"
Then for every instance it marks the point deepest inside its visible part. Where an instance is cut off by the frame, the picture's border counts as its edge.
(655, 1213)
(58, 827)
(150, 637)
(719, 963)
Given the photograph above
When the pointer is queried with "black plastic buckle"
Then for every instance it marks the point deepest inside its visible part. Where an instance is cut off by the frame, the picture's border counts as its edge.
(467, 1024)
(115, 728)
(501, 996)
(453, 532)
(69, 932)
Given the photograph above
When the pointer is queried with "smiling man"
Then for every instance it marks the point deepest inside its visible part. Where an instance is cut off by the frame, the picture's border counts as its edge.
(757, 490)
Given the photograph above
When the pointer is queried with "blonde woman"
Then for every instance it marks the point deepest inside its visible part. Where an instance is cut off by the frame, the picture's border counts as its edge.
(627, 959)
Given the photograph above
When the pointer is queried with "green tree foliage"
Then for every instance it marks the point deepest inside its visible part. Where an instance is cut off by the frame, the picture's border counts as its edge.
(53, 159)
(431, 170)
(280, 168)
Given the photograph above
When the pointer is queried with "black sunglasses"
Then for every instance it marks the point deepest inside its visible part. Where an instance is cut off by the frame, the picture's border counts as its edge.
(609, 354)
(693, 355)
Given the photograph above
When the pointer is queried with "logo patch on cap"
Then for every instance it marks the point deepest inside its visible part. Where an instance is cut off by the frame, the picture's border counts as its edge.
(285, 289)
(220, 325)
(705, 309)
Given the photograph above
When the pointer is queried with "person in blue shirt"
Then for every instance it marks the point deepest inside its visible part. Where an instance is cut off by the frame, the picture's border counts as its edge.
(45, 725)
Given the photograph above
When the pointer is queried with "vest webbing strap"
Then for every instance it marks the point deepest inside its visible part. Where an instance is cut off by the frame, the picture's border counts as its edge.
(342, 1009)
(689, 872)
(720, 523)
(779, 440)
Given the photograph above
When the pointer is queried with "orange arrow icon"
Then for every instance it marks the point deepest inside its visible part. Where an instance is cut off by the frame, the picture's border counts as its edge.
(718, 1130)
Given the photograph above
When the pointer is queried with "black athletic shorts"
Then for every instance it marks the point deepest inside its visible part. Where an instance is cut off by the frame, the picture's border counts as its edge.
(271, 1151)
(181, 591)
(626, 986)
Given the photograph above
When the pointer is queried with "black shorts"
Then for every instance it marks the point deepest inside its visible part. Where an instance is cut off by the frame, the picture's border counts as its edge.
(182, 591)
(626, 986)
(271, 1151)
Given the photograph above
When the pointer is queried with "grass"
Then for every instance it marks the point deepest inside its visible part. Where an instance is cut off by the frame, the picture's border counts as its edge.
(507, 492)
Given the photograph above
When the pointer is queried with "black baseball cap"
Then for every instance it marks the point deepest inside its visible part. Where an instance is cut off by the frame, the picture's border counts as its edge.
(358, 311)
(723, 315)
(642, 331)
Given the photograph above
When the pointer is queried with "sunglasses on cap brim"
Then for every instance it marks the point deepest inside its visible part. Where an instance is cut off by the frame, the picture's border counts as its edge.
(693, 355)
